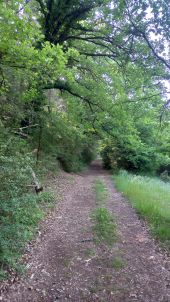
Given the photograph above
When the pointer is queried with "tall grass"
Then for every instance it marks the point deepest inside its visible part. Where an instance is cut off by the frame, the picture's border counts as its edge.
(151, 198)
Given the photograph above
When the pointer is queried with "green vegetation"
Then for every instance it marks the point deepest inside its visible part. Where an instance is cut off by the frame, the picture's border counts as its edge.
(151, 198)
(104, 226)
(118, 263)
(19, 218)
(73, 73)
(100, 191)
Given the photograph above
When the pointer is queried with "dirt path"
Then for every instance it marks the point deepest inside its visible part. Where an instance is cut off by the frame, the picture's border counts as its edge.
(65, 264)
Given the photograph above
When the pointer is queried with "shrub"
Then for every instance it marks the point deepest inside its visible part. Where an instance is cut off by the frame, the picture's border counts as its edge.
(20, 210)
(139, 158)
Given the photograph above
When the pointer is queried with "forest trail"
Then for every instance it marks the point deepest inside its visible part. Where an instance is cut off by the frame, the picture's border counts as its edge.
(66, 265)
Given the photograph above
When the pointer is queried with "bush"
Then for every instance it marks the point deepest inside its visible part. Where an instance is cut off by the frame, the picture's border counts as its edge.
(141, 159)
(19, 216)
(64, 142)
(20, 210)
(15, 177)
(110, 158)
(88, 154)
(164, 166)
(76, 160)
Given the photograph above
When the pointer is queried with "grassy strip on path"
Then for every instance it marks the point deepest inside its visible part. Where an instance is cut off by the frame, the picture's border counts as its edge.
(100, 192)
(104, 226)
(151, 198)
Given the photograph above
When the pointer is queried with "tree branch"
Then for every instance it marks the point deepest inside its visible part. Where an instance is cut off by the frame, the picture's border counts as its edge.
(142, 34)
(64, 86)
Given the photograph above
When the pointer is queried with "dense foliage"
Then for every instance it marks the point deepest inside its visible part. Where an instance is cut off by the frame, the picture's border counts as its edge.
(74, 73)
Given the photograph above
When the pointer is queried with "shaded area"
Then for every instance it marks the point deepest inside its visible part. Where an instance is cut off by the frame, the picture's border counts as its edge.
(96, 169)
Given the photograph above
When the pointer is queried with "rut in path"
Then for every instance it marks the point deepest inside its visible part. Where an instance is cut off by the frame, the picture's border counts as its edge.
(66, 265)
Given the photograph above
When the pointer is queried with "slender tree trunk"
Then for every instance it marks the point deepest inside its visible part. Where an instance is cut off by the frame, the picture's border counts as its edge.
(39, 144)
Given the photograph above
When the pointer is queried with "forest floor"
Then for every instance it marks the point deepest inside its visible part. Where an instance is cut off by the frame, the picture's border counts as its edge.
(65, 264)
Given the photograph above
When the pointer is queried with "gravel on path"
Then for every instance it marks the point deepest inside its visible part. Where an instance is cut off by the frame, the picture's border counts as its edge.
(65, 264)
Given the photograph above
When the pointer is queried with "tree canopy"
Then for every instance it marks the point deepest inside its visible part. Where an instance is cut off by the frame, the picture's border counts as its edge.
(105, 63)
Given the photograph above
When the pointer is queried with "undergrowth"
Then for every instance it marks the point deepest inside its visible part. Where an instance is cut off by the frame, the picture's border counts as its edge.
(151, 199)
(19, 219)
(104, 226)
(20, 207)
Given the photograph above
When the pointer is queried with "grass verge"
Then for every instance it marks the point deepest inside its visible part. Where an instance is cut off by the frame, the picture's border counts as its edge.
(19, 220)
(151, 198)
